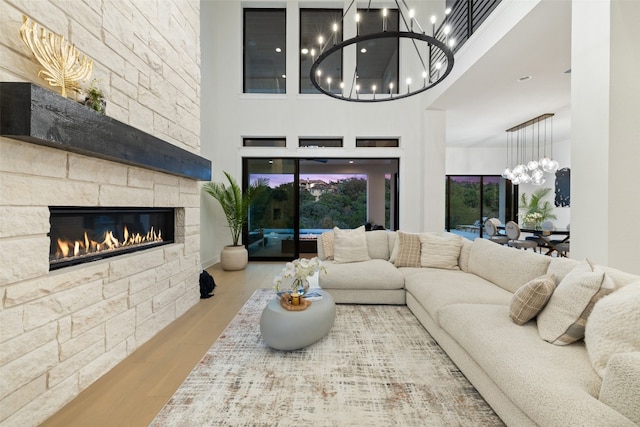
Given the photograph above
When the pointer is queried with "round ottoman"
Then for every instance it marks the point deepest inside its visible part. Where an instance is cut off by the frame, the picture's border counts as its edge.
(291, 330)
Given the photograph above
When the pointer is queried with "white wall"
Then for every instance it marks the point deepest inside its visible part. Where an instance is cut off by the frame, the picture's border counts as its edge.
(605, 151)
(228, 115)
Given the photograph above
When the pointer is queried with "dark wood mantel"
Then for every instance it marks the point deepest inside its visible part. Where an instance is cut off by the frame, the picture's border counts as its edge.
(34, 114)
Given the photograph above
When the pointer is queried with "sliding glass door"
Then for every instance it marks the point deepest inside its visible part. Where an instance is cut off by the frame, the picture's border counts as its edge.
(473, 199)
(272, 226)
(306, 197)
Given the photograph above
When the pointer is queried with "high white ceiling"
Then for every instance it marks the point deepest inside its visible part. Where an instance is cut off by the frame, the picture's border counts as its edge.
(488, 99)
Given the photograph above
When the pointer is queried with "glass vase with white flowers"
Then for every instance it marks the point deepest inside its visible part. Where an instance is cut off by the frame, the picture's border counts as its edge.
(299, 270)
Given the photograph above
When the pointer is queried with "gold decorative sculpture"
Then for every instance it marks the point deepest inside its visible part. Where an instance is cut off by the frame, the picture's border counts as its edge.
(63, 64)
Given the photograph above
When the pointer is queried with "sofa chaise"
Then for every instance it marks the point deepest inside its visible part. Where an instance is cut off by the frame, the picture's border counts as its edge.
(497, 311)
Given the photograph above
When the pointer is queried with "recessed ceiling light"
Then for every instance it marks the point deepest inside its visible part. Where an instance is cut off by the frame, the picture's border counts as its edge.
(524, 79)
(350, 161)
(304, 51)
(363, 50)
(278, 50)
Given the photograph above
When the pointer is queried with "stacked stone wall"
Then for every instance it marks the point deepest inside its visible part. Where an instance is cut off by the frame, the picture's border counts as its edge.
(60, 331)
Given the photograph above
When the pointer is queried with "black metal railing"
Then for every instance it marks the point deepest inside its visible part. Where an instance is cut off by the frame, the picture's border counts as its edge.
(465, 18)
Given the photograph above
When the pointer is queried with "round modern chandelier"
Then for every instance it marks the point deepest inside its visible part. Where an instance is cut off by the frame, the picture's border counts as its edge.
(423, 60)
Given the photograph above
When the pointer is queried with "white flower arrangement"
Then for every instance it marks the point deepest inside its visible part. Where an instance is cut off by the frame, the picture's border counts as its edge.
(298, 270)
(532, 218)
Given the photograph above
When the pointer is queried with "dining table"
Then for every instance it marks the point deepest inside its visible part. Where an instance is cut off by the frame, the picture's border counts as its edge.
(547, 239)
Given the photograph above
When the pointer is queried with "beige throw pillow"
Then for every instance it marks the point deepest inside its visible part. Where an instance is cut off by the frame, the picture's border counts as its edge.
(395, 250)
(531, 298)
(465, 252)
(350, 245)
(614, 327)
(440, 252)
(408, 250)
(563, 319)
(327, 244)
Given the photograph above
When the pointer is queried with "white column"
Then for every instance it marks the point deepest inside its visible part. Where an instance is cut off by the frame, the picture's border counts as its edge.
(605, 151)
(375, 197)
(433, 171)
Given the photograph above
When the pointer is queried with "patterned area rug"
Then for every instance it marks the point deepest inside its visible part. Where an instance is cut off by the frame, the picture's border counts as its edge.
(377, 367)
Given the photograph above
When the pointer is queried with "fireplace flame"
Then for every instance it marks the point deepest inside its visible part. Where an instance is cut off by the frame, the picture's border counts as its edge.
(86, 246)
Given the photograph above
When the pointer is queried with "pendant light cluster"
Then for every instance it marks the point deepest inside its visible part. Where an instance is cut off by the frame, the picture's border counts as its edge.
(524, 142)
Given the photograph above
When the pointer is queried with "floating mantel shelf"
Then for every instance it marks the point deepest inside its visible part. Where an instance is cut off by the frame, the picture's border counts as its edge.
(34, 114)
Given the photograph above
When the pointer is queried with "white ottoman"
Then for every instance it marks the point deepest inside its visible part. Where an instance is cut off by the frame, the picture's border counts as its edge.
(291, 330)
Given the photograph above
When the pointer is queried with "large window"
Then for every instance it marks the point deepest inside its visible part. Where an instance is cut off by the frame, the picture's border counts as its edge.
(320, 29)
(473, 199)
(264, 51)
(333, 200)
(377, 142)
(309, 196)
(320, 142)
(272, 224)
(377, 60)
(264, 142)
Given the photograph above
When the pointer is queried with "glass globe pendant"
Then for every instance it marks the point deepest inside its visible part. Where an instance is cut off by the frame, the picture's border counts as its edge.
(551, 166)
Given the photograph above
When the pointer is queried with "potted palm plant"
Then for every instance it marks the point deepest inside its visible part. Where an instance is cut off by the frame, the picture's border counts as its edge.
(536, 210)
(235, 204)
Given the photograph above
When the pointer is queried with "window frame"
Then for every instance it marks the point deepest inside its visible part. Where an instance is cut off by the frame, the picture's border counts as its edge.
(278, 142)
(245, 11)
(377, 12)
(320, 145)
(340, 36)
(393, 142)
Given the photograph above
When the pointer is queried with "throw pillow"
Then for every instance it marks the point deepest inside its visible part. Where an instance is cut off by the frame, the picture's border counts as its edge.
(396, 248)
(378, 244)
(393, 245)
(408, 250)
(350, 245)
(614, 327)
(440, 252)
(563, 319)
(465, 252)
(327, 244)
(531, 298)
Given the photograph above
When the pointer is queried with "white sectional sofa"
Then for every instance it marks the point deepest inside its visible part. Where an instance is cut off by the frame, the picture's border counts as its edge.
(467, 307)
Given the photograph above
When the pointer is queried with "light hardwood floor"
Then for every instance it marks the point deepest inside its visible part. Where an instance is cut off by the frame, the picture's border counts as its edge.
(134, 391)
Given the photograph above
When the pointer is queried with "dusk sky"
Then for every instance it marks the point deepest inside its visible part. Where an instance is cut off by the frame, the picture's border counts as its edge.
(278, 179)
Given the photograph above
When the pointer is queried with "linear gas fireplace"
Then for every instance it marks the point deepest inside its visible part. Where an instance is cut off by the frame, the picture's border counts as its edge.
(82, 234)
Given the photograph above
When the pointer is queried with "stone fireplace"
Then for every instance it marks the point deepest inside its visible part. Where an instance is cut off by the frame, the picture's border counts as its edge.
(72, 175)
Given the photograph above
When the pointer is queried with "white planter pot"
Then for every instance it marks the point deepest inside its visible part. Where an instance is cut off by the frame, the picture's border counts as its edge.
(234, 258)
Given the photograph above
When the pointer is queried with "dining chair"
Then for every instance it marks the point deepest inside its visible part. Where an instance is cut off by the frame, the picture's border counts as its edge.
(491, 228)
(513, 232)
(563, 246)
(547, 226)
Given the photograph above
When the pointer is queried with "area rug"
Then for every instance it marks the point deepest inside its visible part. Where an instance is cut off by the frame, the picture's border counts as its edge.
(377, 367)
